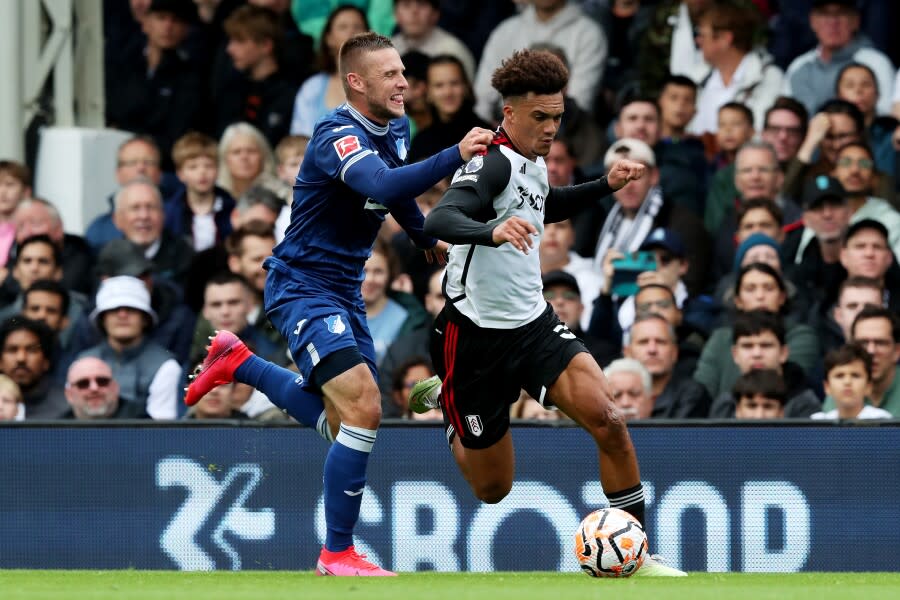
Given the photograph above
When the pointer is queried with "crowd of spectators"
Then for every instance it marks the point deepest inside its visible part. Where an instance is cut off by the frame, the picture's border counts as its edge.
(752, 273)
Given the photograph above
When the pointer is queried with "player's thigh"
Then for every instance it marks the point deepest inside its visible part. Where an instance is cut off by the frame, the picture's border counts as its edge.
(582, 392)
(477, 368)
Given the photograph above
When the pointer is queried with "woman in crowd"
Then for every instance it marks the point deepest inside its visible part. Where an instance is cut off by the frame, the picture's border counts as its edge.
(325, 90)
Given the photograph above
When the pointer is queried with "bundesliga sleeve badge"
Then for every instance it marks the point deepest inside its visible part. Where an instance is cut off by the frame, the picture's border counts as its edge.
(346, 146)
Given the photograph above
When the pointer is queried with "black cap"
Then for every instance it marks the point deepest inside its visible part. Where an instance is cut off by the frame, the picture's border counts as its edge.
(844, 3)
(185, 11)
(122, 257)
(666, 239)
(561, 278)
(822, 187)
(866, 224)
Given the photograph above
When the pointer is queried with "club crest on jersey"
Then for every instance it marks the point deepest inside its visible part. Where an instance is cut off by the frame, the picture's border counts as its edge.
(475, 164)
(335, 324)
(401, 148)
(346, 146)
(474, 423)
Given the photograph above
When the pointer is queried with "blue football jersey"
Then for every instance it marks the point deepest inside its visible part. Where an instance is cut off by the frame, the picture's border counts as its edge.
(349, 180)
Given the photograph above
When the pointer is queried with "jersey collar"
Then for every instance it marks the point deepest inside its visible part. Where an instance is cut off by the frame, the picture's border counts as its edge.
(367, 124)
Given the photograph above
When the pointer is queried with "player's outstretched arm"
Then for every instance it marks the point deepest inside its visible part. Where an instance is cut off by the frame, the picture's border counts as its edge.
(563, 202)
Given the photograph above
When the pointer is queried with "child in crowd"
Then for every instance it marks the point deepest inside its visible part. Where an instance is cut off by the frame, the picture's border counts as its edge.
(11, 406)
(290, 152)
(848, 380)
(15, 186)
(201, 212)
(735, 129)
(759, 394)
(677, 106)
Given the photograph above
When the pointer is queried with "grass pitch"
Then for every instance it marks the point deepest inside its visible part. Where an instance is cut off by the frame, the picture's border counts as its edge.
(250, 585)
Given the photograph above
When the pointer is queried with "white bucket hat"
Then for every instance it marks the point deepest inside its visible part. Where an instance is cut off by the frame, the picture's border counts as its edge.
(123, 291)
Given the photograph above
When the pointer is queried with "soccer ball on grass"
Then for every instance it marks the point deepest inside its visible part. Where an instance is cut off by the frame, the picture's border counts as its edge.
(610, 543)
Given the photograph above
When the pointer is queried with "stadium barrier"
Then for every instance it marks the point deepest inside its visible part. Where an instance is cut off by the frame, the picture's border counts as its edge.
(811, 497)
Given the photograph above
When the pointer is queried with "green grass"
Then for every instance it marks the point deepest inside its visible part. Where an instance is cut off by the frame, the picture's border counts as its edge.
(250, 585)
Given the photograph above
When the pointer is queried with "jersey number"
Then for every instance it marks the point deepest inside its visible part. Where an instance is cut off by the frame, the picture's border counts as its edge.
(564, 332)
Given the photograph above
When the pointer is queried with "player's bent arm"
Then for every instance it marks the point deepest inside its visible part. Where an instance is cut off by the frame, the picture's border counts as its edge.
(461, 218)
(563, 202)
(371, 177)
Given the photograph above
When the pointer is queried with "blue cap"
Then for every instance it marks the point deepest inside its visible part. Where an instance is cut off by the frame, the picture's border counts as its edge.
(666, 239)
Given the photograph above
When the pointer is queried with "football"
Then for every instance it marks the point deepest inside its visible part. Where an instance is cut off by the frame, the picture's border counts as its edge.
(610, 543)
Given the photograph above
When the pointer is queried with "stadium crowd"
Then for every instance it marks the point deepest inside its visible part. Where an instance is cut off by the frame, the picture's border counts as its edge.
(752, 273)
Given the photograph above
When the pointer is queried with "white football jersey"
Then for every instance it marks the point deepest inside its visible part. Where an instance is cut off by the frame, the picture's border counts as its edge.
(501, 288)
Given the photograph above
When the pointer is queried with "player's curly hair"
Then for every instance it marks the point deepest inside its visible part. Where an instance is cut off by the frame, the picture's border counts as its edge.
(537, 71)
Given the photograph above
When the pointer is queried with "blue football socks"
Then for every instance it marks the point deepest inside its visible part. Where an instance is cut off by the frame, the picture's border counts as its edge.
(345, 480)
(282, 387)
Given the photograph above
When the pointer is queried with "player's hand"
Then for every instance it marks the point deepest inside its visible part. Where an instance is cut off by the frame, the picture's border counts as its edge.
(437, 253)
(622, 171)
(517, 231)
(475, 142)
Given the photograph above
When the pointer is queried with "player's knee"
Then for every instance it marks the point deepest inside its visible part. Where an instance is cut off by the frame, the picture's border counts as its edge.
(607, 425)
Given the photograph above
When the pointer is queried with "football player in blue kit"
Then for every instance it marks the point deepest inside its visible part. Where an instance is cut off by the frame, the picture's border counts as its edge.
(352, 176)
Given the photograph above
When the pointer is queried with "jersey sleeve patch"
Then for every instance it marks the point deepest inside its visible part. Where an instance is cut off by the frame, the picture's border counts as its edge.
(346, 146)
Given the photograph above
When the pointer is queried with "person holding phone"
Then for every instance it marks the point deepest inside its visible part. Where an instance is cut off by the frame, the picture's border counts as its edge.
(641, 208)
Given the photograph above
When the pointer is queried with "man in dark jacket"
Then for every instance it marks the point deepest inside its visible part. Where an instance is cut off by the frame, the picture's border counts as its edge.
(652, 342)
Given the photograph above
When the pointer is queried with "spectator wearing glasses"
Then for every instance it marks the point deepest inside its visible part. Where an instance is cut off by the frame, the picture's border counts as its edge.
(784, 128)
(858, 84)
(855, 170)
(837, 124)
(92, 393)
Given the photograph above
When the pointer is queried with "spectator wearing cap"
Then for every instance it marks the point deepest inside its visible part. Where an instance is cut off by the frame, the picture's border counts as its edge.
(855, 170)
(814, 249)
(417, 25)
(158, 91)
(641, 207)
(140, 216)
(614, 315)
(25, 350)
(865, 252)
(653, 343)
(562, 292)
(148, 374)
(811, 76)
(93, 393)
(176, 320)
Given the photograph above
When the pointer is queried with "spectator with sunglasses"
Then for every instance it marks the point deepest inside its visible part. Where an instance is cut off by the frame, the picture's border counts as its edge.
(92, 393)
